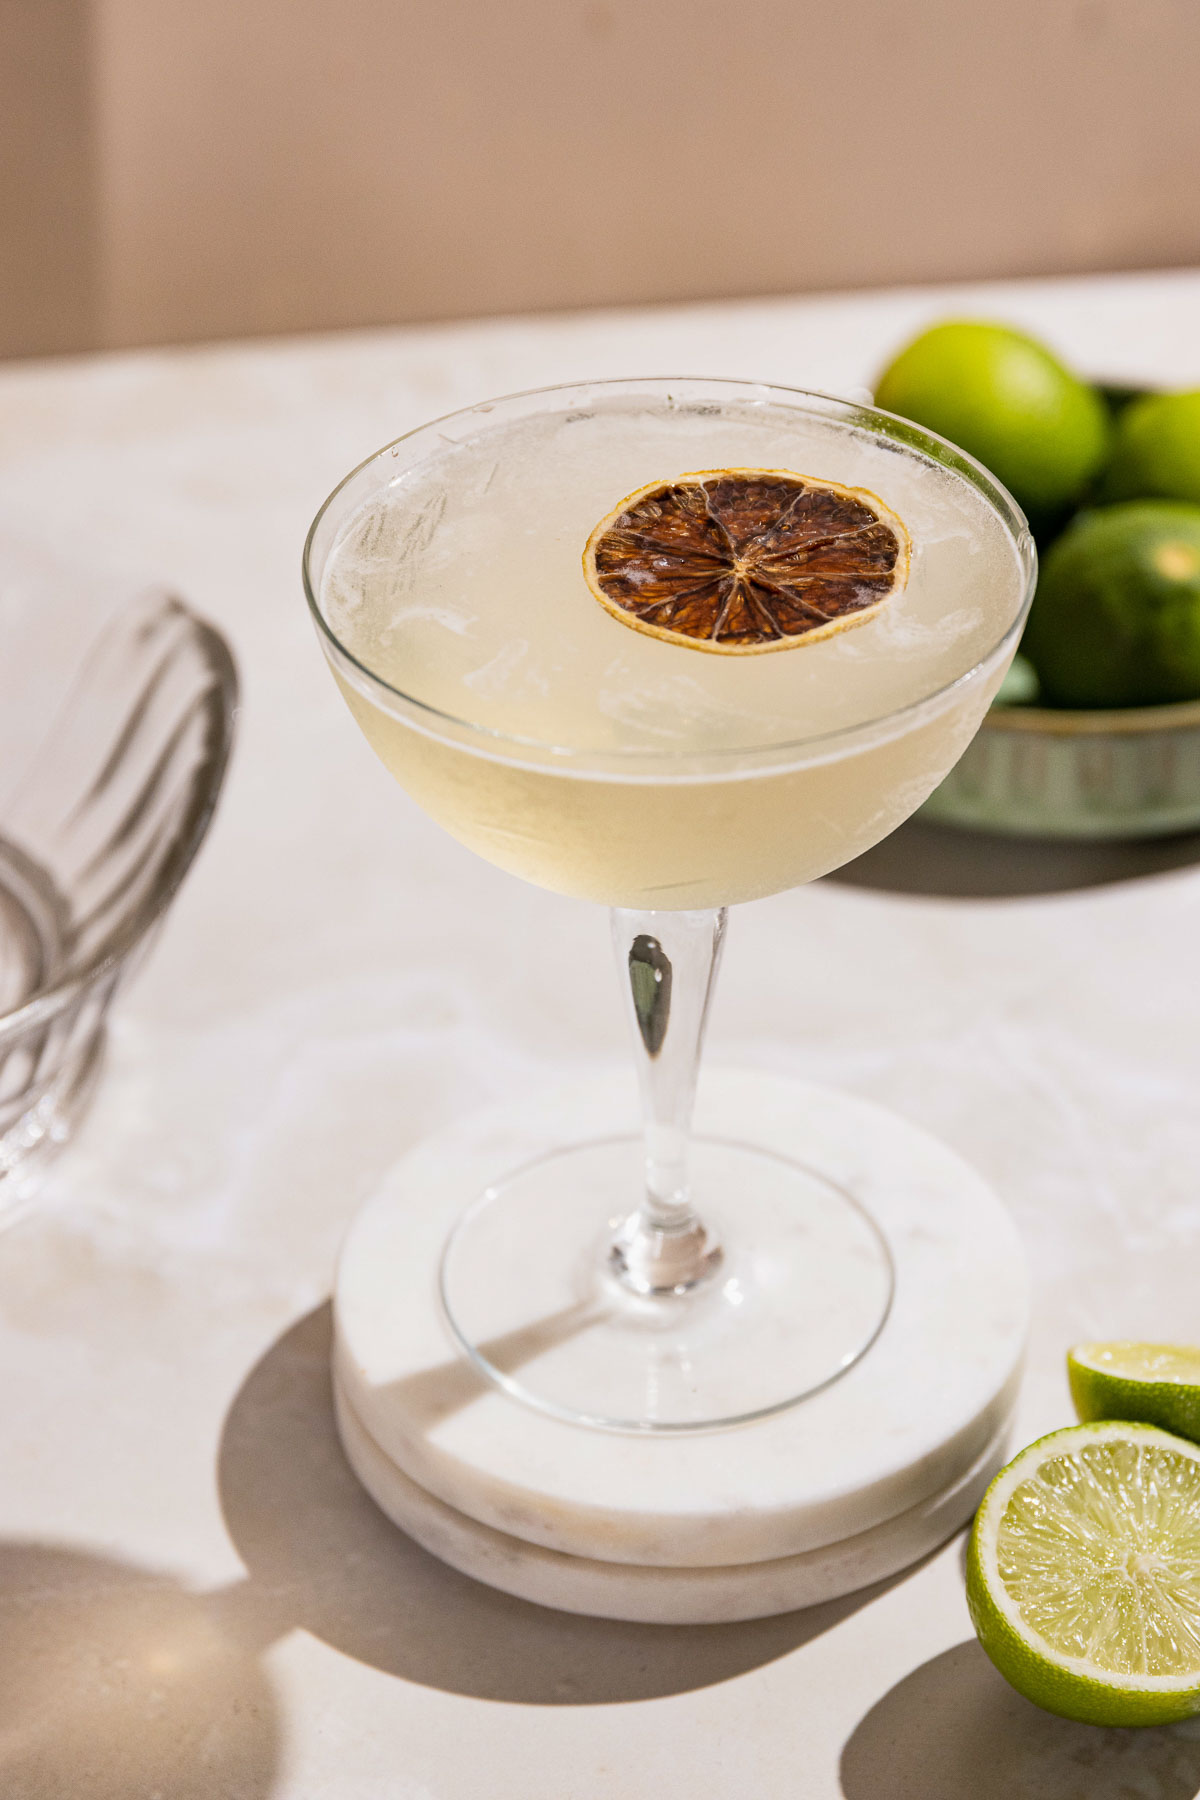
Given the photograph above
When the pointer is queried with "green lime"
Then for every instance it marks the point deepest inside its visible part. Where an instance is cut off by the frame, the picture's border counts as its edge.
(1116, 617)
(1156, 449)
(1020, 685)
(1083, 1574)
(1003, 398)
(1156, 1383)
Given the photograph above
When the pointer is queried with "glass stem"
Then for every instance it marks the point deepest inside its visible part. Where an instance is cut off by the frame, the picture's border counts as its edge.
(668, 966)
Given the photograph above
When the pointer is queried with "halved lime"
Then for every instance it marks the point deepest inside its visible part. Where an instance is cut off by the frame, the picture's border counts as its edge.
(1083, 1574)
(1156, 1383)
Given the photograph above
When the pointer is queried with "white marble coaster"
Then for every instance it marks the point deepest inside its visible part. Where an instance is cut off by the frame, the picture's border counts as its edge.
(661, 1596)
(900, 1427)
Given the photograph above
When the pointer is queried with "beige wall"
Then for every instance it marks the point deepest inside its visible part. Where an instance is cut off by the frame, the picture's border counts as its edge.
(200, 168)
(49, 297)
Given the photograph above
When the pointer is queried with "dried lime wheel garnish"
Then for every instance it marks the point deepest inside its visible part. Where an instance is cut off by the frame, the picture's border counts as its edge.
(745, 560)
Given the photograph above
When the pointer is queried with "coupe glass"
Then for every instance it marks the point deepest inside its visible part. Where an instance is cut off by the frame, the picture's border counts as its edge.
(668, 1282)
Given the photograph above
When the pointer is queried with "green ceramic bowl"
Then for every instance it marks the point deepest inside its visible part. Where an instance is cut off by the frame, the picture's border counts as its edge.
(1043, 772)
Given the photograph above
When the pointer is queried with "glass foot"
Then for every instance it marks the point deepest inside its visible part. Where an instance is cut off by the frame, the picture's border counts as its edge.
(534, 1293)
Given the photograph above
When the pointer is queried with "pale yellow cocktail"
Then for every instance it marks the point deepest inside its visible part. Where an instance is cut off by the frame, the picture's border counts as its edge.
(582, 755)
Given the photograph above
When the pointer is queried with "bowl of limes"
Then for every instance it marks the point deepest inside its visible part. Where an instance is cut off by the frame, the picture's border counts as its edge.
(1096, 731)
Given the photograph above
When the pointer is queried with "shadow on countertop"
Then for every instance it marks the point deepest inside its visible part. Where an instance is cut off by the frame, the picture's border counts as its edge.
(955, 1730)
(322, 1556)
(923, 858)
(117, 1683)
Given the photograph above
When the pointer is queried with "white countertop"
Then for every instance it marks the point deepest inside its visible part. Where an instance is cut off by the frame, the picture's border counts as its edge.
(195, 1600)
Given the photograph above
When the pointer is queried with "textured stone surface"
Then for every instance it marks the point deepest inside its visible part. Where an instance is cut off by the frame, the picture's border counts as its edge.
(340, 979)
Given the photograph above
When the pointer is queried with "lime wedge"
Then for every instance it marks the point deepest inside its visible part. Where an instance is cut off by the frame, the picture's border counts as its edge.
(1083, 1574)
(1156, 1383)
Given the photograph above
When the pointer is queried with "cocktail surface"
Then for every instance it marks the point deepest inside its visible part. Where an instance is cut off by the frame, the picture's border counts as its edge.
(462, 584)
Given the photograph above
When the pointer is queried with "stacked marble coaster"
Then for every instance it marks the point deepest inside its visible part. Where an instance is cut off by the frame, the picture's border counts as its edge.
(846, 1487)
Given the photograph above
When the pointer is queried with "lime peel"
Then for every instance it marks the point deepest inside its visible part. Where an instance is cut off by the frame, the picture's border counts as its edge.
(1156, 450)
(1116, 617)
(1177, 562)
(1005, 398)
(1158, 1384)
(1083, 1574)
